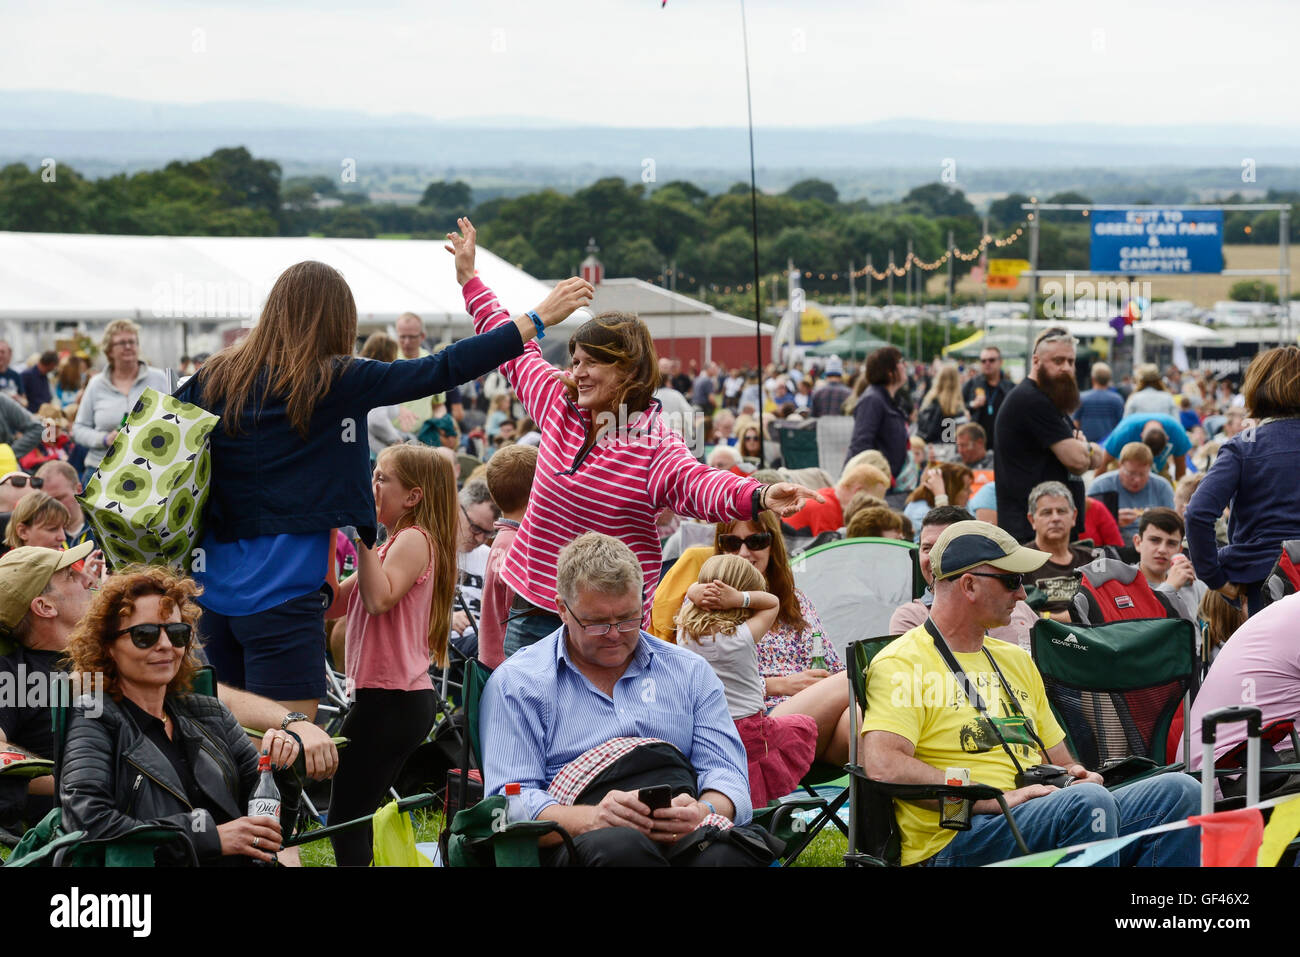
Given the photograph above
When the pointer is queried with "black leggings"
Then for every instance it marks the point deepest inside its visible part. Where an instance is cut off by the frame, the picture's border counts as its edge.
(383, 727)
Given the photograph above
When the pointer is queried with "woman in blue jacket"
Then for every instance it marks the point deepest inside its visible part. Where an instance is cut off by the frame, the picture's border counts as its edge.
(291, 461)
(1255, 474)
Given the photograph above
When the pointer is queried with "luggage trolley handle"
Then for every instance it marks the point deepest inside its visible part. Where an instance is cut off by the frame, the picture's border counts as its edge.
(1254, 718)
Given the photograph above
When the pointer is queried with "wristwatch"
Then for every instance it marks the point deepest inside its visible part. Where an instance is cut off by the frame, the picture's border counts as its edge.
(290, 718)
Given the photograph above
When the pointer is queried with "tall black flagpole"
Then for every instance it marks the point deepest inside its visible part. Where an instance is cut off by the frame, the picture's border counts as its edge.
(753, 204)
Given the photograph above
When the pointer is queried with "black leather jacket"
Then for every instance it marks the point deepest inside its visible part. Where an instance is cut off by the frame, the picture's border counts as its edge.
(113, 778)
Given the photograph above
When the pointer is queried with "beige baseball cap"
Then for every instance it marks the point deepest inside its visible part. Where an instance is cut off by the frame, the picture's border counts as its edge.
(24, 573)
(967, 545)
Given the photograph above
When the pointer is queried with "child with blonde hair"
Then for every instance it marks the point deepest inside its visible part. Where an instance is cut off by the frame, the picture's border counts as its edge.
(398, 608)
(726, 612)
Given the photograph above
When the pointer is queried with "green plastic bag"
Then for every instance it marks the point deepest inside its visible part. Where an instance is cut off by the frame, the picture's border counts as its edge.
(394, 839)
(146, 501)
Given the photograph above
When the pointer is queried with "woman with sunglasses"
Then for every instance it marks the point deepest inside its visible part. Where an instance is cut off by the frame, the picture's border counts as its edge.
(785, 653)
(152, 752)
(607, 461)
(749, 442)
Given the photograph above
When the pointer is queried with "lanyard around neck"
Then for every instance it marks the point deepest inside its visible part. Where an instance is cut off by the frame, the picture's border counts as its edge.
(973, 695)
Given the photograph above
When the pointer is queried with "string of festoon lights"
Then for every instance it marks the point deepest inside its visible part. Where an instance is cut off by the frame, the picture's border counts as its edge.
(895, 269)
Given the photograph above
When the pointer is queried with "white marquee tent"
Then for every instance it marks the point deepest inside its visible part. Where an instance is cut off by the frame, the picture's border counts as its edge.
(187, 292)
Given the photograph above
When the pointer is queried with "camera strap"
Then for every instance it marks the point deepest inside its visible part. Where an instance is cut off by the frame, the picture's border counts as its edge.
(973, 695)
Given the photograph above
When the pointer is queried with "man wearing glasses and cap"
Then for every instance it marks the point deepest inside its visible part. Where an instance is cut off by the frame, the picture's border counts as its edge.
(945, 695)
(579, 719)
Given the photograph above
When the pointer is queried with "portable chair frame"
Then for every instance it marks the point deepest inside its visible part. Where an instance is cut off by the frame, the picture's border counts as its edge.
(1143, 667)
(872, 800)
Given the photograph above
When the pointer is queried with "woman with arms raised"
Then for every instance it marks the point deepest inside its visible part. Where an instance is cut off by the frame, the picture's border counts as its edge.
(291, 461)
(607, 461)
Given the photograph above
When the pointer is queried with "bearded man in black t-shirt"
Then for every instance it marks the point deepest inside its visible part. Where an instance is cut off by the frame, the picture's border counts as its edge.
(1041, 444)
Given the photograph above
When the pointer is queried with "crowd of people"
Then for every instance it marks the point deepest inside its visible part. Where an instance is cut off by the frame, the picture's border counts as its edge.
(614, 539)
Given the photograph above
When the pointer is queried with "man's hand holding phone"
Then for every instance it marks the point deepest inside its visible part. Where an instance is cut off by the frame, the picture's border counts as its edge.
(680, 818)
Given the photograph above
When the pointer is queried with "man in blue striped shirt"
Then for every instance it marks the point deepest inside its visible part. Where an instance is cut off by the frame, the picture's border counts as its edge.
(599, 678)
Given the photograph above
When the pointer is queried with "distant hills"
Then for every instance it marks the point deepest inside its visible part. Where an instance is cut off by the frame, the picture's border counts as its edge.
(101, 134)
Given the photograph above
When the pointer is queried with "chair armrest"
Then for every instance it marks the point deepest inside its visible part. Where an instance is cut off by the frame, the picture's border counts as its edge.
(135, 848)
(411, 803)
(30, 768)
(930, 792)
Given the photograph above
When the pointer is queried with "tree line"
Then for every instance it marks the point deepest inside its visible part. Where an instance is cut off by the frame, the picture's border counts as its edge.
(640, 228)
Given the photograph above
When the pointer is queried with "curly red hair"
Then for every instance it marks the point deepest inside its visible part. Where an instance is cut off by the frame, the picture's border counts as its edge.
(114, 603)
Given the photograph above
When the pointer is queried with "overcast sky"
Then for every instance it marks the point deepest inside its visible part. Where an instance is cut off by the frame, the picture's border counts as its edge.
(631, 63)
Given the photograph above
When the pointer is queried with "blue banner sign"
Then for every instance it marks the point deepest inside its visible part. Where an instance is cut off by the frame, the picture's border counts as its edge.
(1148, 240)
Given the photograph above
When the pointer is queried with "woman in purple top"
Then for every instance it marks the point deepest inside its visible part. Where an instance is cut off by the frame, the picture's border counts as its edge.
(1255, 474)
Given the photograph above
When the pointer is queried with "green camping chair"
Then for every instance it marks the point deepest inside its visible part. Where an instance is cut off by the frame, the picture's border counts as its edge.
(1115, 688)
(480, 836)
(799, 446)
(135, 848)
(874, 838)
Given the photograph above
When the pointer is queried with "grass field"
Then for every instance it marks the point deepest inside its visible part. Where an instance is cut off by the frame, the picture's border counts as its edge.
(1203, 291)
(826, 850)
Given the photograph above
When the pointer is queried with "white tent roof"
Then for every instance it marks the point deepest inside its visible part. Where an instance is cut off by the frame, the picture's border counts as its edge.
(91, 277)
(670, 314)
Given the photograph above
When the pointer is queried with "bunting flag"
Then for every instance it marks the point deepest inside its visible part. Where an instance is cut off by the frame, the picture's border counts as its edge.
(1230, 838)
(1282, 828)
(1098, 852)
(1043, 859)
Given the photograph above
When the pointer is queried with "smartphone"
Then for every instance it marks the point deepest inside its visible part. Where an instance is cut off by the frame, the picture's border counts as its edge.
(656, 797)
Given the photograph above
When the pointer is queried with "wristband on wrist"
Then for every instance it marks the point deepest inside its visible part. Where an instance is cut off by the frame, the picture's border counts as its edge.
(744, 599)
(537, 321)
(709, 805)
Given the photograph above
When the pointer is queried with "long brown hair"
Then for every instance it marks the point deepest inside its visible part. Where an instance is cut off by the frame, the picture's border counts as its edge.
(780, 579)
(437, 512)
(114, 603)
(1272, 383)
(955, 477)
(308, 322)
(623, 341)
(946, 390)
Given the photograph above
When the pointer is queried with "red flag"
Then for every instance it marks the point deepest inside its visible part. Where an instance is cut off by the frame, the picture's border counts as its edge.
(1230, 838)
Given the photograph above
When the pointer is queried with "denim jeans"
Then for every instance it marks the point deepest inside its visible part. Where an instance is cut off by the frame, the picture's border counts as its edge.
(526, 630)
(1083, 813)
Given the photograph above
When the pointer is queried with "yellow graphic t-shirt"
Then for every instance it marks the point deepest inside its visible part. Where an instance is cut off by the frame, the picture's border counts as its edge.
(912, 693)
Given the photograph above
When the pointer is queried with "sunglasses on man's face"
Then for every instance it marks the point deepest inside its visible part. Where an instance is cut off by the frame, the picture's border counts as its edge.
(146, 636)
(755, 543)
(1010, 580)
(20, 481)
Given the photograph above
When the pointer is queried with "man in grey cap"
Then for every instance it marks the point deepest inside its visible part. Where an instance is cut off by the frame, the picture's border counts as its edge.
(945, 695)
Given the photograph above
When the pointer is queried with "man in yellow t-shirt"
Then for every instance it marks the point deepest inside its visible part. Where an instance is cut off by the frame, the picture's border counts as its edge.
(922, 718)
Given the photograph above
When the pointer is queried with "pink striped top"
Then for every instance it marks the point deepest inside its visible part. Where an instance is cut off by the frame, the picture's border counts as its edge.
(618, 488)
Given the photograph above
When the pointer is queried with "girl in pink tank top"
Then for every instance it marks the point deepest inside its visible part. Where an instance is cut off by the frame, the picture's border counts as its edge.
(398, 608)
